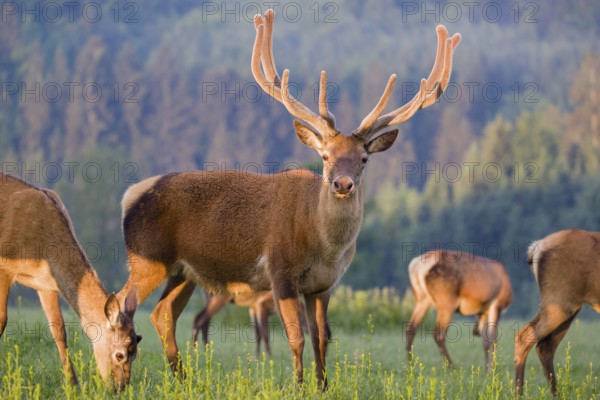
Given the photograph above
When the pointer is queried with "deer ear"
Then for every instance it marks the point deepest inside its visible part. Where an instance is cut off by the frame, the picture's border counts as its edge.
(382, 142)
(131, 302)
(112, 310)
(308, 136)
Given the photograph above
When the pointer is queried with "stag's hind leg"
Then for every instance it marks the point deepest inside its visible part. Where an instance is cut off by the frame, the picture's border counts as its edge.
(254, 322)
(444, 318)
(214, 303)
(174, 298)
(51, 305)
(146, 275)
(547, 320)
(419, 312)
(261, 321)
(546, 349)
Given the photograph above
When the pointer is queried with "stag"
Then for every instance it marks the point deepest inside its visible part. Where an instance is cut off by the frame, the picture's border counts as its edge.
(566, 268)
(38, 249)
(260, 306)
(292, 232)
(454, 281)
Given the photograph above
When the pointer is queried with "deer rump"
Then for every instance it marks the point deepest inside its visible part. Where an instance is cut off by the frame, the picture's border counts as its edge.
(467, 281)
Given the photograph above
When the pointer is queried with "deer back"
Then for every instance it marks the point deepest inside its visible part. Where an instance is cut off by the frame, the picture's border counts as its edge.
(36, 237)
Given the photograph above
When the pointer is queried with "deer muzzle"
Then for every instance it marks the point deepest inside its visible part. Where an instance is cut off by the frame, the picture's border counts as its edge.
(343, 186)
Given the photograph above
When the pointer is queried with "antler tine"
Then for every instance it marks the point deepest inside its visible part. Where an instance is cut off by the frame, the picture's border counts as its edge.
(370, 119)
(265, 74)
(298, 109)
(267, 58)
(434, 75)
(415, 105)
(323, 110)
(438, 64)
(451, 44)
(429, 94)
(367, 126)
(430, 89)
(257, 72)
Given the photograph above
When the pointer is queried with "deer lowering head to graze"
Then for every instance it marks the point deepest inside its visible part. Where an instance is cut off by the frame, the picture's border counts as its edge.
(38, 249)
(293, 232)
(455, 281)
(566, 266)
(260, 306)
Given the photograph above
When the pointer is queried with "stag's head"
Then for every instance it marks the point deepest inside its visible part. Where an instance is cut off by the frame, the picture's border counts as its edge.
(345, 156)
(116, 347)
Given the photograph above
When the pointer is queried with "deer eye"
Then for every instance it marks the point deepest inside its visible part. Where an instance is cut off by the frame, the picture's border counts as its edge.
(364, 160)
(119, 356)
(325, 157)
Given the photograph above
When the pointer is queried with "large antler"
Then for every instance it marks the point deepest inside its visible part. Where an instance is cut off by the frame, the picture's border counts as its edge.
(430, 89)
(278, 88)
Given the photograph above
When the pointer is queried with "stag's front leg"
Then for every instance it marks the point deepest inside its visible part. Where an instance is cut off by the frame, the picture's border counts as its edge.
(288, 305)
(316, 314)
(51, 306)
(175, 296)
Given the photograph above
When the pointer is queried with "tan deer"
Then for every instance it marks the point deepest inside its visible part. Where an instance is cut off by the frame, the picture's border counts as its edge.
(260, 306)
(455, 281)
(566, 268)
(293, 232)
(38, 249)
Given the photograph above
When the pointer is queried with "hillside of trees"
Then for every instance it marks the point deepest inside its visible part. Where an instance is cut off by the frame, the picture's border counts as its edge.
(110, 92)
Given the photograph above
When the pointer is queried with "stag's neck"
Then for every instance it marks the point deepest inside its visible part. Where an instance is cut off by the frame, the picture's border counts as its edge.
(81, 288)
(339, 219)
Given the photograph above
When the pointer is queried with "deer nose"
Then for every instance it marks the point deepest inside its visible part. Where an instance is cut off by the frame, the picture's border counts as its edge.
(343, 185)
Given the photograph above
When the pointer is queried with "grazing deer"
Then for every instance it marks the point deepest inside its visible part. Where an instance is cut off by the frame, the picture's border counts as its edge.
(38, 249)
(566, 268)
(454, 281)
(292, 232)
(260, 305)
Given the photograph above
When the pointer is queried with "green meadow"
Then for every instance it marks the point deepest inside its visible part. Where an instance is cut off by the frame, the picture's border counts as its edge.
(366, 359)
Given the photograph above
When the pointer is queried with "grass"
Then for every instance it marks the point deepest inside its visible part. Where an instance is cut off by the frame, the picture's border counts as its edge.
(362, 363)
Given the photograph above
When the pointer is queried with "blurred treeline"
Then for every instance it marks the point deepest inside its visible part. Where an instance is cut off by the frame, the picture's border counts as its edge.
(510, 154)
